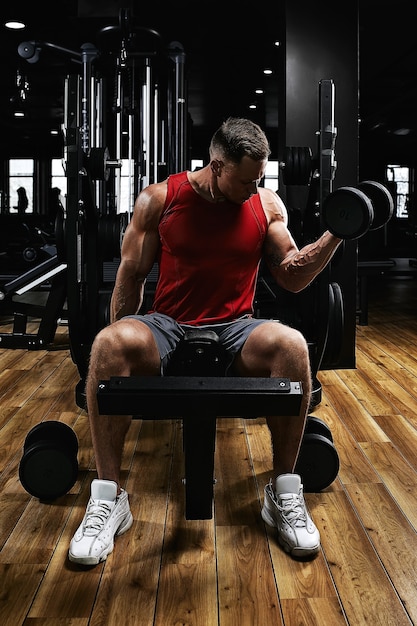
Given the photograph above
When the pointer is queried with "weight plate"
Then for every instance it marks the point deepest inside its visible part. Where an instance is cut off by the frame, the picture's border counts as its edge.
(316, 394)
(316, 426)
(97, 163)
(305, 159)
(47, 472)
(49, 467)
(318, 462)
(54, 432)
(382, 202)
(103, 313)
(347, 212)
(297, 167)
(288, 167)
(335, 331)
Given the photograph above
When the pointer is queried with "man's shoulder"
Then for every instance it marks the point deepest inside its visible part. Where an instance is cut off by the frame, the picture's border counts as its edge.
(158, 193)
(273, 205)
(270, 197)
(267, 194)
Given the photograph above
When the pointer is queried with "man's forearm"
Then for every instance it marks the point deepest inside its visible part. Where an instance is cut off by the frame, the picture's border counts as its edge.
(126, 298)
(298, 270)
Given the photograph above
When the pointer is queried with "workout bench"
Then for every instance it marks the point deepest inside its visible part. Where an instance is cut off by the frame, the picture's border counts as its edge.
(197, 390)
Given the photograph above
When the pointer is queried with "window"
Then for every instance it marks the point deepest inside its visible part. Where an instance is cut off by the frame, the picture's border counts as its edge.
(271, 175)
(196, 164)
(399, 176)
(125, 193)
(58, 177)
(21, 185)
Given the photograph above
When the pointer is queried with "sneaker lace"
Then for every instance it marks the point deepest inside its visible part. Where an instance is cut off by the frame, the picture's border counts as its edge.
(292, 508)
(96, 517)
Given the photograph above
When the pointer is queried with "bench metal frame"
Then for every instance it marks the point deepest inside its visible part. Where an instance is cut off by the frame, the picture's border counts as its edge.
(198, 401)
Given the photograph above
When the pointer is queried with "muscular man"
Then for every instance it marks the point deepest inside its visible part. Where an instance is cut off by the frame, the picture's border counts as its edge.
(208, 230)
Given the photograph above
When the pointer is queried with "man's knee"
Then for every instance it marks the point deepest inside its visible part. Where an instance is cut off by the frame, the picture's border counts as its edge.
(125, 347)
(276, 339)
(296, 342)
(273, 349)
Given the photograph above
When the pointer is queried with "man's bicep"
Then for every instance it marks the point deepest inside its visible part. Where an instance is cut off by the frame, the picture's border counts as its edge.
(139, 251)
(279, 244)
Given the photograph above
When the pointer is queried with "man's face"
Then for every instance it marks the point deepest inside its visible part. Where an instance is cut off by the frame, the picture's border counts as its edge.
(238, 182)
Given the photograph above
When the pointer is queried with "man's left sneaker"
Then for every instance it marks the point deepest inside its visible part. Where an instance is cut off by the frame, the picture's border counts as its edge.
(284, 508)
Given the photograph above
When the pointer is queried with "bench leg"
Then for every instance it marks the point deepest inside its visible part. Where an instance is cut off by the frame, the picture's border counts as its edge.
(199, 436)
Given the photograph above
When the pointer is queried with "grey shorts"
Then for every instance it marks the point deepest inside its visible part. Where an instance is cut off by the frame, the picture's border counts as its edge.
(168, 332)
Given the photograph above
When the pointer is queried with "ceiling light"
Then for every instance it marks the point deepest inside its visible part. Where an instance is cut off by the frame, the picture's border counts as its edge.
(267, 71)
(15, 24)
(19, 114)
(259, 91)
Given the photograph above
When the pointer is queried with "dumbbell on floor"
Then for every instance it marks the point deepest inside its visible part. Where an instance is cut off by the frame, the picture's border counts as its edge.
(350, 212)
(318, 461)
(49, 467)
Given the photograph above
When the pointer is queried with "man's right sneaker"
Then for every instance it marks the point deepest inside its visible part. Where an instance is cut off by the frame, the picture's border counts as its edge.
(285, 509)
(107, 515)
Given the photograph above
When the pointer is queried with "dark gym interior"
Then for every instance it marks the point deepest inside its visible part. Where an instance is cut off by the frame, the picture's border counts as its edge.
(100, 99)
(161, 82)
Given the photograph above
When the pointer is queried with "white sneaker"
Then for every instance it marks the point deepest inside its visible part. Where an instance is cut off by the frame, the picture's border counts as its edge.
(107, 515)
(285, 509)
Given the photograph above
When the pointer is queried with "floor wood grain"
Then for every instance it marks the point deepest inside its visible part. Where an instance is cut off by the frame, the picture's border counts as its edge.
(229, 570)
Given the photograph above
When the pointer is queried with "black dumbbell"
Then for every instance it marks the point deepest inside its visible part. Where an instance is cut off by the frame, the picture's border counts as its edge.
(349, 212)
(382, 202)
(318, 461)
(49, 467)
(317, 426)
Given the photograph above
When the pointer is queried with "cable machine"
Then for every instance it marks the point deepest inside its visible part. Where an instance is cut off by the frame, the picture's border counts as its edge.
(129, 101)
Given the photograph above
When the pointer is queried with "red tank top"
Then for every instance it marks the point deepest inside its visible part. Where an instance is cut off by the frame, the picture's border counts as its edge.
(209, 255)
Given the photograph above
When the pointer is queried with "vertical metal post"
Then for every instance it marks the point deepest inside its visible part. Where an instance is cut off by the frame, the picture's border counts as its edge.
(119, 132)
(327, 168)
(327, 137)
(88, 54)
(146, 123)
(155, 134)
(178, 55)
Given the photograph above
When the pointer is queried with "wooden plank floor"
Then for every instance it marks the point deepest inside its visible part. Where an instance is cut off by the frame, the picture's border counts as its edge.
(227, 571)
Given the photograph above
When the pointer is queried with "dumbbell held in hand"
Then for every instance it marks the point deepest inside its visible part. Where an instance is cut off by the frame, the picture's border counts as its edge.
(350, 212)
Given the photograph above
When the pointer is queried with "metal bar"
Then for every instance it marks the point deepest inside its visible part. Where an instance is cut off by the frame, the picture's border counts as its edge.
(156, 397)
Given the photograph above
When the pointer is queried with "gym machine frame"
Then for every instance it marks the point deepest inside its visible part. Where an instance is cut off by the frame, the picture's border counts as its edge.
(93, 193)
(51, 270)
